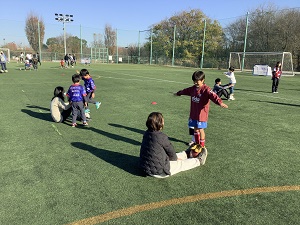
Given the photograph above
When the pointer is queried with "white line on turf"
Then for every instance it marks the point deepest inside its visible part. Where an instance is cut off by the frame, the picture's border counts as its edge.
(150, 78)
(55, 128)
(271, 95)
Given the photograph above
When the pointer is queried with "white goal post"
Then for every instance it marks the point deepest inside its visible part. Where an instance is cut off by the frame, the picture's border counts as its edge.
(6, 51)
(270, 59)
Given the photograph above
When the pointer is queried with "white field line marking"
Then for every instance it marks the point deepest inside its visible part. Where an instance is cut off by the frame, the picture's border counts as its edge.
(171, 81)
(269, 96)
(155, 79)
(150, 78)
(55, 128)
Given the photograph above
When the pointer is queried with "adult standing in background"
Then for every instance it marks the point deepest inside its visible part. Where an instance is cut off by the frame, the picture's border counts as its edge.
(276, 74)
(38, 58)
(3, 60)
(74, 58)
(21, 57)
(67, 60)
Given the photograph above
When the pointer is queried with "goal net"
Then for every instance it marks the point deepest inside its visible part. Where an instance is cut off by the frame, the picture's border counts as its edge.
(99, 55)
(6, 51)
(250, 59)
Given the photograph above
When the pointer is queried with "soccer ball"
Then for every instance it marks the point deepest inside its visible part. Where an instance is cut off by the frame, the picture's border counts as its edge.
(87, 115)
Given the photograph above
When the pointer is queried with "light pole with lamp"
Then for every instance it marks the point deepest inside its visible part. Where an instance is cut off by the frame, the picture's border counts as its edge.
(203, 43)
(64, 18)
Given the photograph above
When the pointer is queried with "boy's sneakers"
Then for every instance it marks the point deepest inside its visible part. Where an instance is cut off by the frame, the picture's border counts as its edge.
(74, 124)
(85, 123)
(202, 156)
(194, 150)
(231, 98)
(98, 105)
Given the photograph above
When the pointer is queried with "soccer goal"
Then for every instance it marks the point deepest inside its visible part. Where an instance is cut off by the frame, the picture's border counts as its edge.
(250, 59)
(6, 51)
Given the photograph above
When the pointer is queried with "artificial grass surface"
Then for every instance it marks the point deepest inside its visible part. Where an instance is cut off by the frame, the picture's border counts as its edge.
(54, 174)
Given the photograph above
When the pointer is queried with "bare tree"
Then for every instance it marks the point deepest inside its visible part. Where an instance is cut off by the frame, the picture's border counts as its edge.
(97, 41)
(110, 39)
(35, 30)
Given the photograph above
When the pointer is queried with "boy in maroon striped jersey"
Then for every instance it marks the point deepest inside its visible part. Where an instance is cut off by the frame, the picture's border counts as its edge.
(200, 95)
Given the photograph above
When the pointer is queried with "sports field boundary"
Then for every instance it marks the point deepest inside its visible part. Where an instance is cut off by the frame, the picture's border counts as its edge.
(176, 201)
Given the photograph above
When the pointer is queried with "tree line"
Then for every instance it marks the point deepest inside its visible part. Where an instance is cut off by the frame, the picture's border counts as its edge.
(181, 37)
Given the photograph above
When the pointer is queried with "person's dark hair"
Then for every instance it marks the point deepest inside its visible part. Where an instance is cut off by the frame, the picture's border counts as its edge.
(59, 92)
(231, 68)
(155, 121)
(198, 75)
(217, 80)
(76, 78)
(278, 63)
(84, 72)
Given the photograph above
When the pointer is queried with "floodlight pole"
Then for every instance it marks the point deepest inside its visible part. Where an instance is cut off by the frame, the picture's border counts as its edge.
(203, 44)
(117, 46)
(64, 18)
(139, 46)
(80, 42)
(245, 41)
(173, 50)
(39, 33)
(151, 46)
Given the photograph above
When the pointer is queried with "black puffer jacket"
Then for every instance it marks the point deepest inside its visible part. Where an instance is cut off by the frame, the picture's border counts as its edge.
(156, 152)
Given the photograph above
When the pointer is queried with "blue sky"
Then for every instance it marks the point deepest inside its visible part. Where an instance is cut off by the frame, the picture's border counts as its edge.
(131, 15)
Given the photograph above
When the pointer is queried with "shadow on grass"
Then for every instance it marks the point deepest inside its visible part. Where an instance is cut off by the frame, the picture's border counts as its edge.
(240, 89)
(115, 136)
(277, 103)
(38, 115)
(123, 161)
(141, 131)
(37, 107)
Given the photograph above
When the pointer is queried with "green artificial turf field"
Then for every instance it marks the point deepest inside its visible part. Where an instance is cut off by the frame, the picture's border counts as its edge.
(52, 173)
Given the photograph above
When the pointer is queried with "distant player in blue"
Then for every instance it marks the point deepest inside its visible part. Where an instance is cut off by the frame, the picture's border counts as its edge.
(77, 98)
(90, 89)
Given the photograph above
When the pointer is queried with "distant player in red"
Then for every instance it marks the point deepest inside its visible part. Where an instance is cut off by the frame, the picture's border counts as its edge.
(276, 74)
(62, 63)
(201, 94)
